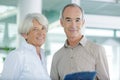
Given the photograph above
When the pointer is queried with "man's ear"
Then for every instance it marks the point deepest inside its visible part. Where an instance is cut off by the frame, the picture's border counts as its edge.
(61, 22)
(83, 22)
(24, 35)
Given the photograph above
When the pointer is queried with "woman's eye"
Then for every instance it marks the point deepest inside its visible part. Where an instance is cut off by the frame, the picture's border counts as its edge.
(43, 28)
(35, 29)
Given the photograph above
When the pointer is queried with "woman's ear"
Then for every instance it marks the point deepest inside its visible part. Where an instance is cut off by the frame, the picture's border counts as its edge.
(24, 35)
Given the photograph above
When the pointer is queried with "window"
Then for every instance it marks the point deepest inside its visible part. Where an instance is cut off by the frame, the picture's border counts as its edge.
(118, 33)
(99, 32)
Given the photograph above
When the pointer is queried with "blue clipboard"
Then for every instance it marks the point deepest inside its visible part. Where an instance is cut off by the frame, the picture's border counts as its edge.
(81, 76)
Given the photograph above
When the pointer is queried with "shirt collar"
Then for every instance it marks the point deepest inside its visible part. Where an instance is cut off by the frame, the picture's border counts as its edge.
(27, 45)
(81, 42)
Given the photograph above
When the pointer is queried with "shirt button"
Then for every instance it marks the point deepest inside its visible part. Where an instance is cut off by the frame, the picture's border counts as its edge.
(71, 57)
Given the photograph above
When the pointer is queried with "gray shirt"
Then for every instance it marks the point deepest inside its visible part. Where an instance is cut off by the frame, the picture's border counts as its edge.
(86, 56)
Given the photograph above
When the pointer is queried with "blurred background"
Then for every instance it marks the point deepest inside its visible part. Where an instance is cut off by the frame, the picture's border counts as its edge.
(102, 26)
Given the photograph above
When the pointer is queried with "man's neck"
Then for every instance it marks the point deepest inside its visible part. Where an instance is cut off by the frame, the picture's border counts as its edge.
(74, 41)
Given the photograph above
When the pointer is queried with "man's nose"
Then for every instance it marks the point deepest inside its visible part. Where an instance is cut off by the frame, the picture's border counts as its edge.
(73, 23)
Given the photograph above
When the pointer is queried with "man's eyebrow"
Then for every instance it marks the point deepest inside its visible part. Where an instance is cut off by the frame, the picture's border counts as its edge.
(71, 18)
(77, 18)
(67, 18)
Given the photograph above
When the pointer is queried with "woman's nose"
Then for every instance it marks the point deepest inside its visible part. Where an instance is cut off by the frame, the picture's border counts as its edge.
(42, 33)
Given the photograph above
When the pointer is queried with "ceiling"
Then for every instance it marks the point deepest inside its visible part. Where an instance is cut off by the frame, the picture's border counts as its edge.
(91, 7)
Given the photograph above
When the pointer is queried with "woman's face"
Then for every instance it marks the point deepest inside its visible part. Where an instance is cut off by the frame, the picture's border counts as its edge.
(37, 34)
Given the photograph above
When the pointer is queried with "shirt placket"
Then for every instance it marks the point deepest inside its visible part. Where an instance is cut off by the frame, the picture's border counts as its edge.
(72, 58)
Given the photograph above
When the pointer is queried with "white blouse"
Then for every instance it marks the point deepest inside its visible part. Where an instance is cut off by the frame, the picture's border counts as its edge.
(24, 64)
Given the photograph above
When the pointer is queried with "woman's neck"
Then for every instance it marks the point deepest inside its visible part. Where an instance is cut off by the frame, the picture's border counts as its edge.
(38, 52)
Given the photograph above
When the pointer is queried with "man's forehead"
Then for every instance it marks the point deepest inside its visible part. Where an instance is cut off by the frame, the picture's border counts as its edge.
(72, 11)
(72, 18)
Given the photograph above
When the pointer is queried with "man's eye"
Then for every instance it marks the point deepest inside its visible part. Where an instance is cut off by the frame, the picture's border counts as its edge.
(68, 20)
(77, 20)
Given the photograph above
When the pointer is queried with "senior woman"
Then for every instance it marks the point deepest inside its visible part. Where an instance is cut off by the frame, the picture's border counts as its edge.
(28, 61)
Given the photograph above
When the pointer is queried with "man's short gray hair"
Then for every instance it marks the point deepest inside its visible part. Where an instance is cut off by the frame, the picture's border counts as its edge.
(71, 5)
(27, 24)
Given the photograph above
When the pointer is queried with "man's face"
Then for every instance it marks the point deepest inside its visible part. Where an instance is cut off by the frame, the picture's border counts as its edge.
(37, 34)
(72, 21)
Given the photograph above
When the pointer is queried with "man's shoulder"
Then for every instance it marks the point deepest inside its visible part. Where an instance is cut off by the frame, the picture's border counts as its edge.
(58, 54)
(93, 44)
(60, 51)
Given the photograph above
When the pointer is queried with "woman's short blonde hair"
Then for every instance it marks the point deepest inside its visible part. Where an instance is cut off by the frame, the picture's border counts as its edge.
(27, 23)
